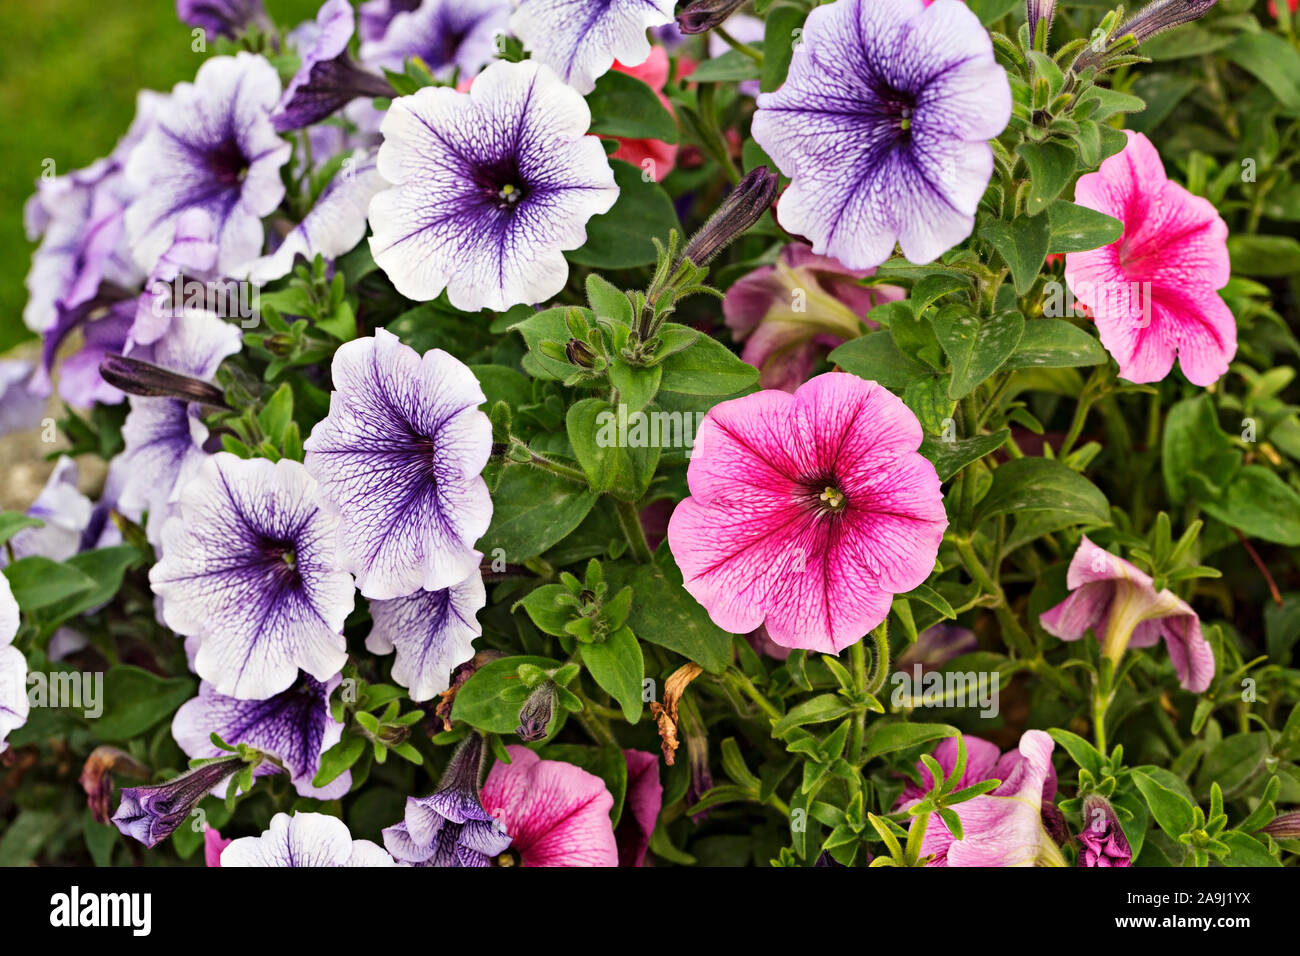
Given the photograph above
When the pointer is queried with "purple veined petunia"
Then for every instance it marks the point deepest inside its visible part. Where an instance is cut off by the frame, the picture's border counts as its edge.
(1006, 826)
(446, 35)
(489, 188)
(193, 255)
(399, 458)
(294, 726)
(65, 511)
(1154, 291)
(14, 706)
(213, 147)
(581, 39)
(105, 324)
(20, 407)
(432, 632)
(882, 126)
(304, 840)
(450, 828)
(327, 80)
(556, 814)
(152, 813)
(248, 568)
(1118, 602)
(374, 16)
(335, 224)
(794, 311)
(222, 18)
(808, 512)
(163, 436)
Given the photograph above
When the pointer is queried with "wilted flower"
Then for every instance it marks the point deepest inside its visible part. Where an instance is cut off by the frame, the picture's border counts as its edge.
(882, 125)
(294, 726)
(556, 814)
(1102, 841)
(304, 840)
(450, 827)
(248, 568)
(580, 46)
(432, 632)
(105, 323)
(792, 312)
(1284, 826)
(1119, 603)
(743, 207)
(399, 458)
(150, 814)
(97, 777)
(1153, 290)
(489, 188)
(447, 36)
(808, 512)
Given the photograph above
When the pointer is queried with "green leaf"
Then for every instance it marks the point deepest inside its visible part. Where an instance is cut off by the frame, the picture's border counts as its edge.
(816, 710)
(778, 43)
(619, 668)
(1022, 244)
(637, 385)
(884, 737)
(1051, 165)
(548, 608)
(876, 358)
(534, 509)
(1233, 762)
(620, 238)
(1081, 752)
(599, 462)
(136, 700)
(928, 399)
(1272, 60)
(1044, 484)
(932, 598)
(1264, 256)
(339, 758)
(1055, 343)
(976, 348)
(1077, 228)
(1171, 810)
(706, 367)
(731, 67)
(38, 582)
(276, 414)
(480, 701)
(547, 326)
(11, 522)
(950, 457)
(1197, 458)
(25, 835)
(1244, 850)
(106, 567)
(1259, 504)
(665, 614)
(623, 106)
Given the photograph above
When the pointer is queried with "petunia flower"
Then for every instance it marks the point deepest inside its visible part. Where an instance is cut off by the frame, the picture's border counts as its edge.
(645, 797)
(223, 18)
(447, 36)
(653, 155)
(304, 840)
(213, 147)
(1004, 827)
(327, 79)
(557, 814)
(1121, 606)
(248, 568)
(399, 458)
(1153, 292)
(580, 40)
(432, 632)
(105, 324)
(192, 254)
(213, 845)
(151, 814)
(450, 827)
(489, 188)
(374, 16)
(1102, 840)
(64, 511)
(793, 312)
(935, 646)
(164, 436)
(14, 706)
(20, 407)
(882, 125)
(294, 726)
(808, 512)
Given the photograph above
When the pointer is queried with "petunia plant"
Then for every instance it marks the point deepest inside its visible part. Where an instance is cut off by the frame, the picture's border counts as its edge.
(536, 433)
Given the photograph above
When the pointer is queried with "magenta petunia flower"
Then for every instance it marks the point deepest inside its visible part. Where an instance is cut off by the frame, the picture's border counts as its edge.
(792, 312)
(1121, 606)
(213, 844)
(248, 568)
(645, 798)
(399, 457)
(1004, 827)
(808, 512)
(1101, 839)
(304, 840)
(882, 126)
(1153, 291)
(556, 814)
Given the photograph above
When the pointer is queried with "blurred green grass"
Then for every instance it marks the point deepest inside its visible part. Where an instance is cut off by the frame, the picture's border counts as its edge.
(68, 81)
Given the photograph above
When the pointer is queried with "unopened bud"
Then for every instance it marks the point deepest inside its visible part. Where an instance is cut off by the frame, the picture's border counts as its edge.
(535, 715)
(144, 378)
(703, 15)
(742, 208)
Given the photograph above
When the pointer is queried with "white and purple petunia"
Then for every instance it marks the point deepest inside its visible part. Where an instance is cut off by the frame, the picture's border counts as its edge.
(164, 436)
(192, 254)
(295, 726)
(882, 126)
(374, 16)
(304, 840)
(248, 568)
(489, 188)
(213, 146)
(225, 18)
(447, 35)
(581, 39)
(20, 407)
(13, 667)
(66, 514)
(399, 458)
(105, 325)
(432, 632)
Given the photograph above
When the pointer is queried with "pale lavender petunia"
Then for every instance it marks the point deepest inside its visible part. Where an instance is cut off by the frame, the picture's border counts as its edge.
(489, 188)
(581, 39)
(164, 436)
(374, 16)
(295, 726)
(192, 255)
(882, 125)
(446, 35)
(327, 80)
(105, 325)
(65, 511)
(432, 632)
(304, 840)
(20, 407)
(399, 457)
(248, 568)
(213, 146)
(13, 667)
(223, 18)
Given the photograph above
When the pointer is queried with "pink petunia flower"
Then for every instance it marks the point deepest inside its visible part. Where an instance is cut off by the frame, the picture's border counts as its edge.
(213, 844)
(792, 312)
(660, 155)
(1122, 607)
(645, 798)
(1153, 292)
(556, 814)
(1007, 825)
(808, 512)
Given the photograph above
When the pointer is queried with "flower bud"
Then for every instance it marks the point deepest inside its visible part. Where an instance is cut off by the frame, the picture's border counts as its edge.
(136, 377)
(1163, 15)
(742, 208)
(1284, 826)
(150, 814)
(1102, 841)
(1036, 12)
(535, 715)
(701, 16)
(579, 353)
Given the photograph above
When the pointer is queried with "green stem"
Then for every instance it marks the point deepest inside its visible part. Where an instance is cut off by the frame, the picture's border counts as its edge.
(1016, 635)
(740, 680)
(630, 521)
(858, 665)
(554, 467)
(880, 661)
(735, 44)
